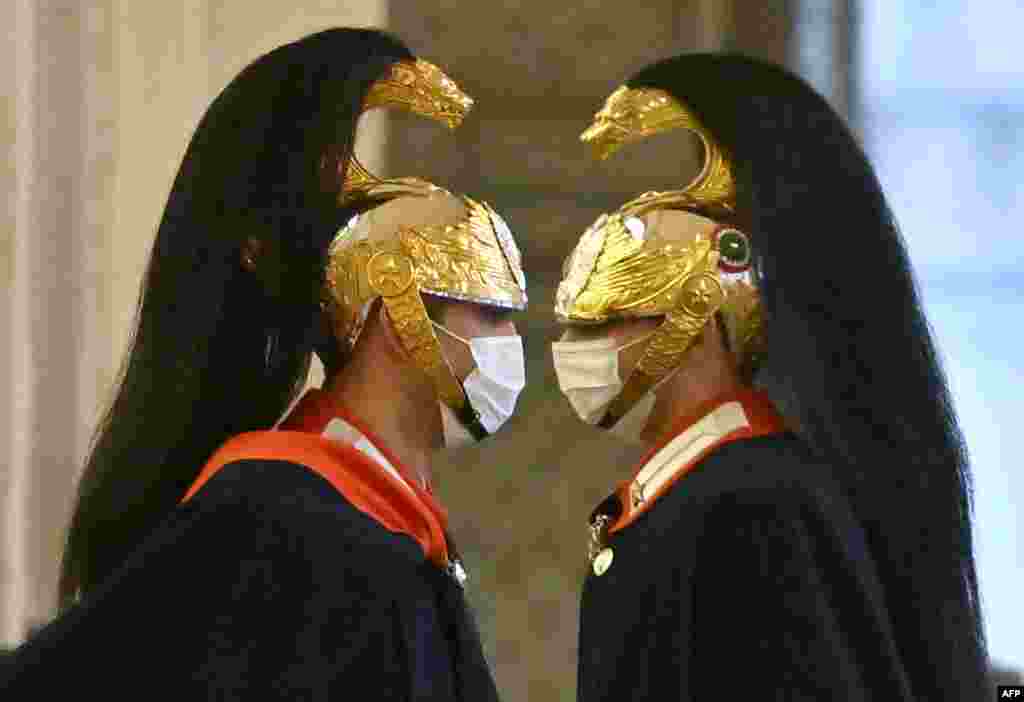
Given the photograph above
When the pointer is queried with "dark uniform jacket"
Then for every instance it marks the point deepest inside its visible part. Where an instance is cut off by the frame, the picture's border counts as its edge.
(316, 578)
(747, 579)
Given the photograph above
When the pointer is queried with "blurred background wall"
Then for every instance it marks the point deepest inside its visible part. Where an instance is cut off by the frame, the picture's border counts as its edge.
(103, 98)
(100, 100)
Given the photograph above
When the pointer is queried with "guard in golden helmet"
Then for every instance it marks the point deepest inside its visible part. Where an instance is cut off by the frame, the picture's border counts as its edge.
(227, 543)
(825, 554)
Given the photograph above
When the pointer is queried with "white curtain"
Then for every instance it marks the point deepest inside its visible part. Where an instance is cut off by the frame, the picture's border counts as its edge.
(100, 99)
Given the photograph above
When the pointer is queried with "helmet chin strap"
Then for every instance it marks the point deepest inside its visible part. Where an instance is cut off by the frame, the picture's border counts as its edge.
(700, 296)
(390, 274)
(470, 419)
(467, 415)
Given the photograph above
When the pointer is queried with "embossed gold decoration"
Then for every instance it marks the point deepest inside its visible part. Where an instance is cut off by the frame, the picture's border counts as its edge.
(667, 346)
(664, 263)
(413, 328)
(422, 239)
(468, 260)
(657, 255)
(419, 87)
(389, 274)
(424, 89)
(416, 237)
(632, 114)
(614, 273)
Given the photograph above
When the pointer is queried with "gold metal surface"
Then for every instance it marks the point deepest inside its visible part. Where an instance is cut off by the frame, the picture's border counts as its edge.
(613, 273)
(466, 259)
(413, 327)
(632, 114)
(668, 345)
(419, 87)
(417, 238)
(422, 88)
(662, 262)
(700, 295)
(420, 239)
(657, 254)
(389, 273)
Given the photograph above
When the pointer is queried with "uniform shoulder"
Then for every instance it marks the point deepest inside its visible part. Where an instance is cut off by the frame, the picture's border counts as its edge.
(775, 485)
(295, 500)
(775, 469)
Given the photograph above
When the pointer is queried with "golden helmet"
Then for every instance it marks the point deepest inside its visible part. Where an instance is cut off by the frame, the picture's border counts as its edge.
(665, 253)
(413, 237)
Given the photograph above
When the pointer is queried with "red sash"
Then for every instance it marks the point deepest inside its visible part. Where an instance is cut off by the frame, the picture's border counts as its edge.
(400, 508)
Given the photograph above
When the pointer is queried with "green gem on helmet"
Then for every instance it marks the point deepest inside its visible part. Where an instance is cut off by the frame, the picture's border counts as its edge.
(734, 248)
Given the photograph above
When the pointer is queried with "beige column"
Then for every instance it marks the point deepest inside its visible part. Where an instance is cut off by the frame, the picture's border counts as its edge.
(713, 22)
(18, 88)
(824, 51)
(98, 110)
(763, 29)
(161, 89)
(45, 288)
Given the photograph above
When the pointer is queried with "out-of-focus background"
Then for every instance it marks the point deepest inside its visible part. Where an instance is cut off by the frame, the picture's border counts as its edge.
(100, 98)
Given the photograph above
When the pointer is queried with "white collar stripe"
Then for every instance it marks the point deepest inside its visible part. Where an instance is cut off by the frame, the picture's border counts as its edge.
(339, 430)
(678, 453)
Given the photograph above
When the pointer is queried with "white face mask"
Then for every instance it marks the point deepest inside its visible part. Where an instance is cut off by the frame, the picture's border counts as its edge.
(588, 375)
(494, 385)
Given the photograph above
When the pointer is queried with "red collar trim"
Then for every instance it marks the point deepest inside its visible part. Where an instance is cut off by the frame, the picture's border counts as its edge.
(363, 482)
(763, 420)
(317, 408)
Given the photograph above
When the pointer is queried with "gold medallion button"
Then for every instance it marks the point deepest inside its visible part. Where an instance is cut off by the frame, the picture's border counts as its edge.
(701, 294)
(389, 273)
(603, 561)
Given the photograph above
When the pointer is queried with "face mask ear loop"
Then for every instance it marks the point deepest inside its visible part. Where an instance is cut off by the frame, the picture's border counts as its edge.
(701, 295)
(450, 333)
(643, 339)
(563, 344)
(634, 342)
(467, 415)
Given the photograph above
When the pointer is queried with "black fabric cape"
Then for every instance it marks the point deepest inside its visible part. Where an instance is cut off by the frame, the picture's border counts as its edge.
(749, 579)
(267, 585)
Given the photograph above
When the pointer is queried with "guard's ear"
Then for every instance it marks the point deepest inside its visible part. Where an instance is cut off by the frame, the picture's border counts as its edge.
(251, 251)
